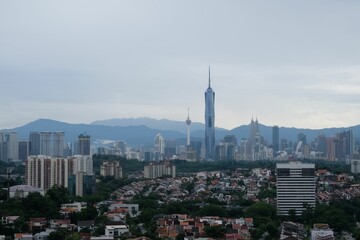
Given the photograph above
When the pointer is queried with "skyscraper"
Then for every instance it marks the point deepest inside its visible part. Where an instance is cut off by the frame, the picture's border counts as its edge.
(34, 145)
(275, 139)
(209, 122)
(9, 146)
(84, 144)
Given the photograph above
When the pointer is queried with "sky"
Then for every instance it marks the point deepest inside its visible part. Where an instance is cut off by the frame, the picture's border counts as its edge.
(288, 63)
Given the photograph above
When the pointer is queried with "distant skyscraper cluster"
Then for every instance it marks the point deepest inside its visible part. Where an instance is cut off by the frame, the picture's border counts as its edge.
(251, 146)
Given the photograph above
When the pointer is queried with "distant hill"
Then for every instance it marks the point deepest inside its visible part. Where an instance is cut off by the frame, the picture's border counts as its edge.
(133, 135)
(161, 124)
(143, 135)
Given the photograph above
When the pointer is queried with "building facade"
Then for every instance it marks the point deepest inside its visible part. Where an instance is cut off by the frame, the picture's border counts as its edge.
(112, 169)
(84, 142)
(275, 139)
(156, 170)
(74, 173)
(295, 187)
(209, 123)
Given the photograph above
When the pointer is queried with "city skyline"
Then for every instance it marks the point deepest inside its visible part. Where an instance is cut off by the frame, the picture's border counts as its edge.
(292, 64)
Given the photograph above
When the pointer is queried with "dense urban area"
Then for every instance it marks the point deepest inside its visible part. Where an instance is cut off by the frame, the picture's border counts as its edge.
(181, 188)
(178, 200)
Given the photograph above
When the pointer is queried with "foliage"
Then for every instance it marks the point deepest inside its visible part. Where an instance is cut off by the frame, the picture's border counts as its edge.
(64, 234)
(267, 193)
(59, 195)
(215, 231)
(36, 205)
(213, 210)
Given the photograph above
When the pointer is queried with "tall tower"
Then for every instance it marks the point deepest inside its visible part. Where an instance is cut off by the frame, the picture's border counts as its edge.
(209, 122)
(188, 122)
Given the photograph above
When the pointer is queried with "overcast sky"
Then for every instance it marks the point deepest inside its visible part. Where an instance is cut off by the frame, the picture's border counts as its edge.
(290, 63)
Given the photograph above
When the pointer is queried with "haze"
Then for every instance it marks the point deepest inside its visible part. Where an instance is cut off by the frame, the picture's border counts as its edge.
(288, 63)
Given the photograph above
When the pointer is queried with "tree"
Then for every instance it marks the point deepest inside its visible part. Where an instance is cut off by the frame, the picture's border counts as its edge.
(215, 231)
(36, 205)
(213, 210)
(58, 194)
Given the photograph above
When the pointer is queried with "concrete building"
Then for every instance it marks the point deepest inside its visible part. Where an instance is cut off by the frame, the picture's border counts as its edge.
(355, 166)
(23, 150)
(159, 147)
(209, 122)
(84, 142)
(112, 169)
(81, 184)
(156, 170)
(46, 171)
(322, 231)
(34, 143)
(22, 191)
(295, 187)
(275, 139)
(58, 140)
(9, 146)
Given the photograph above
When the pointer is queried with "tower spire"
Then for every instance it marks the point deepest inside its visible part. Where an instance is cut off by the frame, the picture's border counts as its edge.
(209, 77)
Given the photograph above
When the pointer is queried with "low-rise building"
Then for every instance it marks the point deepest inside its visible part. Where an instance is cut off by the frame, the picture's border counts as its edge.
(322, 232)
(116, 230)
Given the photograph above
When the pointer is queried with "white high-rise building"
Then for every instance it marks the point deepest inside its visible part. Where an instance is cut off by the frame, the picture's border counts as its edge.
(159, 147)
(295, 187)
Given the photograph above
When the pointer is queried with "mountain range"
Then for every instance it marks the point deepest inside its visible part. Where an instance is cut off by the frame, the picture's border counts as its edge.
(142, 131)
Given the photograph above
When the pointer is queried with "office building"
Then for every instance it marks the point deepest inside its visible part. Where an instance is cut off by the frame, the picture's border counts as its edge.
(209, 122)
(9, 146)
(84, 144)
(295, 187)
(23, 149)
(81, 184)
(275, 139)
(34, 143)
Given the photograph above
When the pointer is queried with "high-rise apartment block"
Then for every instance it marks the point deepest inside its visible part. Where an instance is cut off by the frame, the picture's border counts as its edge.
(156, 170)
(112, 169)
(295, 187)
(209, 123)
(46, 171)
